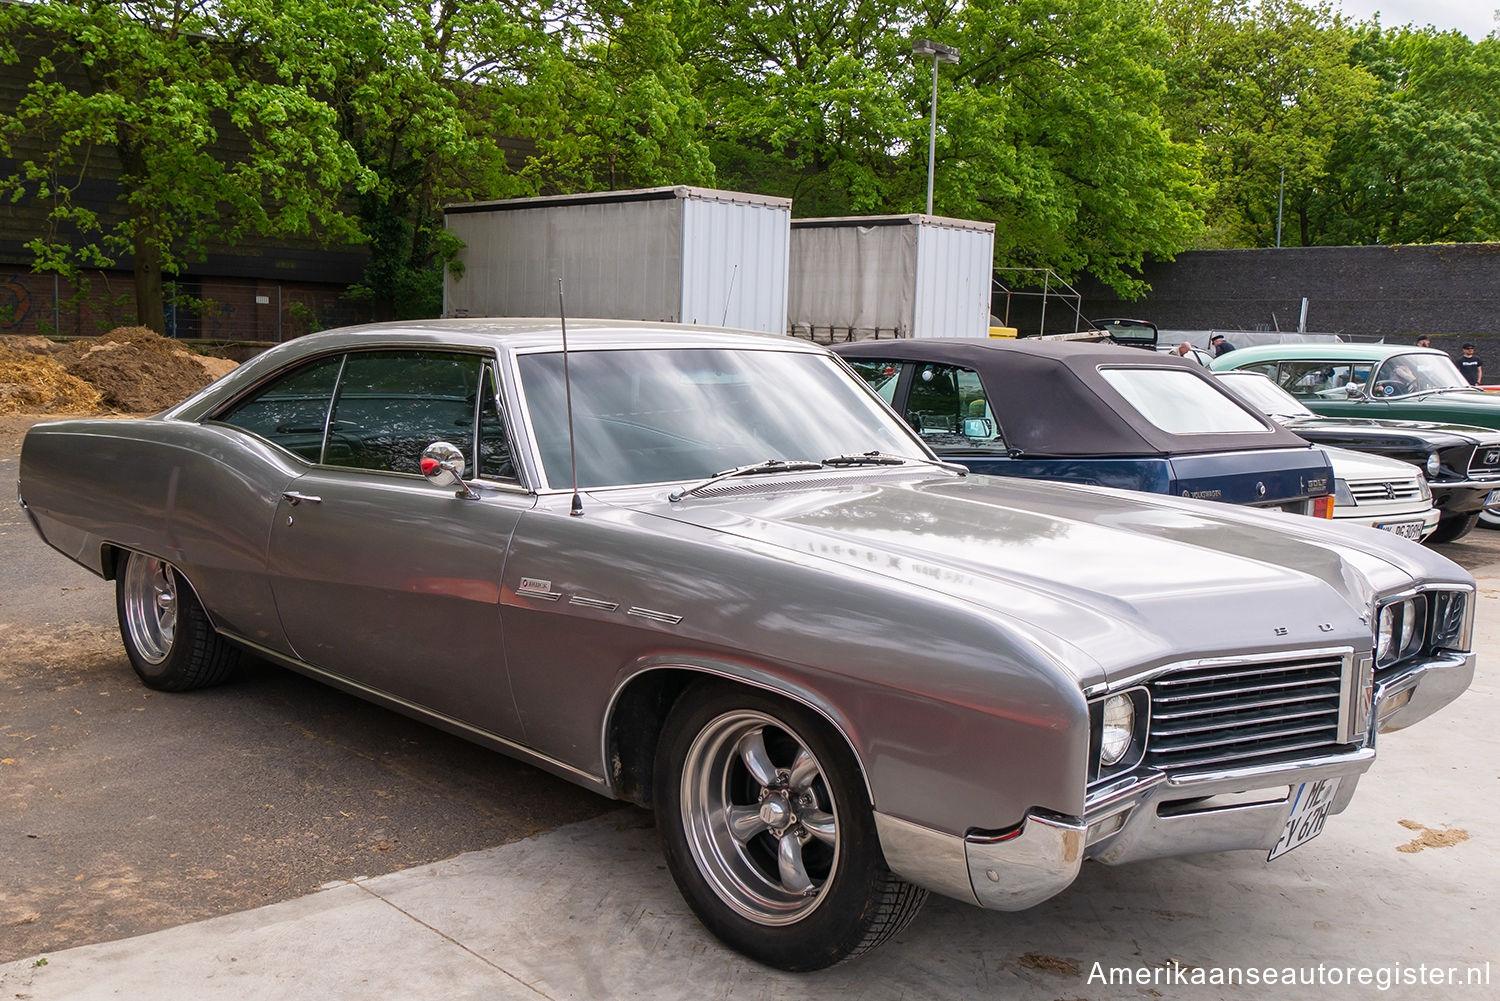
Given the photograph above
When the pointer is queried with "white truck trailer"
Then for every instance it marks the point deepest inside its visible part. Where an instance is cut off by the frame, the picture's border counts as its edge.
(678, 254)
(857, 277)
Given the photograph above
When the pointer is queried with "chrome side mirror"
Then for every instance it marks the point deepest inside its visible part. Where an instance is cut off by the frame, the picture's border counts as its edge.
(443, 465)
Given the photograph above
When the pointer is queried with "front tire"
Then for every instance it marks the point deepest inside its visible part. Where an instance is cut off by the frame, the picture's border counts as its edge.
(168, 638)
(1454, 527)
(767, 829)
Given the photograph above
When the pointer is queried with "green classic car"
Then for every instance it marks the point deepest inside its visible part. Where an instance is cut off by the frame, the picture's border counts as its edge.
(1387, 381)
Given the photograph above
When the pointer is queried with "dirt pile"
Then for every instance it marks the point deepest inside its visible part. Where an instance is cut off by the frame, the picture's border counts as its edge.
(33, 383)
(135, 369)
(131, 369)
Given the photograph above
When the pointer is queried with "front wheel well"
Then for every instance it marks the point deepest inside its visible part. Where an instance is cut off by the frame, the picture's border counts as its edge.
(635, 726)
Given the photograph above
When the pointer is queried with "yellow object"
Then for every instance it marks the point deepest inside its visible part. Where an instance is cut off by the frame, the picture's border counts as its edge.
(1010, 332)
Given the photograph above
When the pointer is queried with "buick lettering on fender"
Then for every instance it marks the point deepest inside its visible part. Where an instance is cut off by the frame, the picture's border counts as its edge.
(842, 672)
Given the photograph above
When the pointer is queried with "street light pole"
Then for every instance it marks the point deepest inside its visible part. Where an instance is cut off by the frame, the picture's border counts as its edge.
(940, 54)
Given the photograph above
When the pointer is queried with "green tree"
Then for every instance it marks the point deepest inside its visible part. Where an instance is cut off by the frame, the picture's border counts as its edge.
(209, 142)
(616, 104)
(1263, 88)
(1421, 164)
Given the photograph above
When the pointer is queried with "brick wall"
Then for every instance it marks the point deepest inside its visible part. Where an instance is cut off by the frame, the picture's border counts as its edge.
(216, 308)
(1450, 291)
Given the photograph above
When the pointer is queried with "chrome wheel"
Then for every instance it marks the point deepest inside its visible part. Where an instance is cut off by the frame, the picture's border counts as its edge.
(759, 817)
(149, 598)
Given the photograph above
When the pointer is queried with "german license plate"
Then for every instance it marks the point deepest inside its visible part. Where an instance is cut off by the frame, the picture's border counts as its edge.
(1310, 804)
(1405, 529)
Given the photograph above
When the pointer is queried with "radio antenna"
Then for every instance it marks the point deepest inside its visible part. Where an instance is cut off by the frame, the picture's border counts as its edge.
(728, 295)
(562, 315)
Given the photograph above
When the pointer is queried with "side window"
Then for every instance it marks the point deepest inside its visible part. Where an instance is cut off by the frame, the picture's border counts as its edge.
(948, 407)
(1321, 379)
(494, 447)
(393, 404)
(291, 410)
(1267, 369)
(881, 375)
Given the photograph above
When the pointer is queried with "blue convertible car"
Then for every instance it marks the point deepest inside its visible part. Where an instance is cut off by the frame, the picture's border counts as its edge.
(1093, 413)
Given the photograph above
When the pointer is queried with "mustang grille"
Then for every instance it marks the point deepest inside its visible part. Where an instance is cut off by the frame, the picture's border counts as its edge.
(1382, 491)
(1485, 465)
(1229, 715)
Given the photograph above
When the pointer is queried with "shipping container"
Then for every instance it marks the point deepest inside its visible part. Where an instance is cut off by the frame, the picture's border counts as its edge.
(890, 276)
(679, 254)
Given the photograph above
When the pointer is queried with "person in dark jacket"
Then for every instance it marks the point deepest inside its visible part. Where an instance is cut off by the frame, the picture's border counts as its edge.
(1219, 345)
(1470, 366)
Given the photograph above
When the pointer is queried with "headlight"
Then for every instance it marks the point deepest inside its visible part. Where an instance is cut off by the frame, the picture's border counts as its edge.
(1399, 630)
(1341, 494)
(1119, 729)
(1425, 490)
(1452, 620)
(1434, 464)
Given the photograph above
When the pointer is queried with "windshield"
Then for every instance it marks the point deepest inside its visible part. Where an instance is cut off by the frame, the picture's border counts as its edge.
(1402, 375)
(1181, 402)
(658, 415)
(1264, 395)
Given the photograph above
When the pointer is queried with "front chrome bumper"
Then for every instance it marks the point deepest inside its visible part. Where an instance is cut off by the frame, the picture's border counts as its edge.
(1156, 815)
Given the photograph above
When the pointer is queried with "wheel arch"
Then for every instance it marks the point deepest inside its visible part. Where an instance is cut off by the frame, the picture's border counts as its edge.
(112, 559)
(638, 708)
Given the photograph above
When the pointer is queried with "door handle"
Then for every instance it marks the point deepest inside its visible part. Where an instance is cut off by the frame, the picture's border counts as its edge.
(294, 498)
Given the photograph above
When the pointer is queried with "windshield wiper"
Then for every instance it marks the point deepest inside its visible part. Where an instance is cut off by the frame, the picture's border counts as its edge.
(887, 459)
(768, 466)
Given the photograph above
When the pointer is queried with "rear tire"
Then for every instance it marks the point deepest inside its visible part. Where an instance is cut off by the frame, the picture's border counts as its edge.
(767, 829)
(1453, 528)
(168, 638)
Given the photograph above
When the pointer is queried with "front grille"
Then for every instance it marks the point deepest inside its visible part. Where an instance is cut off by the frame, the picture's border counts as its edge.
(1384, 491)
(1229, 715)
(1485, 464)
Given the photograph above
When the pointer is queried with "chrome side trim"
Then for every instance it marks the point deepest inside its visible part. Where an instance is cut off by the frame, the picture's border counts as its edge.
(926, 857)
(608, 606)
(455, 726)
(655, 616)
(1026, 866)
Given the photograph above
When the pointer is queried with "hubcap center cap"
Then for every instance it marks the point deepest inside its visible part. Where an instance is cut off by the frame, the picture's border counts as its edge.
(776, 812)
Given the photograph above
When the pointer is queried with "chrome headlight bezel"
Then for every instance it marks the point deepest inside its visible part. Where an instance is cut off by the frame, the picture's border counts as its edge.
(1123, 755)
(1400, 629)
(1430, 620)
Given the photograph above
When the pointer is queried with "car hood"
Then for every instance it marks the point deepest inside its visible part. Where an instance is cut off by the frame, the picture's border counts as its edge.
(1107, 581)
(1349, 465)
(1423, 431)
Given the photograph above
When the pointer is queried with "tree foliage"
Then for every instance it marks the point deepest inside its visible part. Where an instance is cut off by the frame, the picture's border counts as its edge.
(1093, 133)
(151, 91)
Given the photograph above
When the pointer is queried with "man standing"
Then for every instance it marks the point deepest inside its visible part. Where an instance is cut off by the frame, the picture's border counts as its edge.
(1470, 366)
(1219, 345)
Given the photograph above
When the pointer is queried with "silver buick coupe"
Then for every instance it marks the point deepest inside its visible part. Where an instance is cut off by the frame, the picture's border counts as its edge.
(713, 573)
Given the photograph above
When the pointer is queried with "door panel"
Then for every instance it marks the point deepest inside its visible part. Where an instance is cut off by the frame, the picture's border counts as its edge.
(394, 584)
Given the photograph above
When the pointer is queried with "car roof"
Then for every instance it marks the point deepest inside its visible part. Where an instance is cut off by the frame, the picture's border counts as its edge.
(1320, 351)
(544, 333)
(1051, 399)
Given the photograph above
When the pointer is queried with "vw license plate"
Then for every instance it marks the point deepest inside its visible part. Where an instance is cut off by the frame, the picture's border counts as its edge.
(1405, 529)
(1310, 804)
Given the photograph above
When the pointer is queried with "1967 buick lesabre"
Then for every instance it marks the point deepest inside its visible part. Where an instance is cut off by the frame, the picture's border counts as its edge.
(712, 572)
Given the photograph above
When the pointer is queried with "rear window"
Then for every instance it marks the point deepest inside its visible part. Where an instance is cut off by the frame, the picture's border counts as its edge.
(1180, 402)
